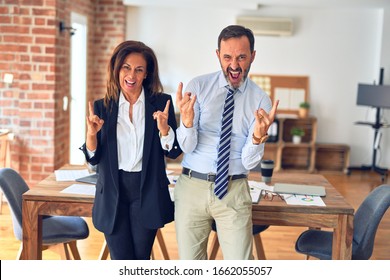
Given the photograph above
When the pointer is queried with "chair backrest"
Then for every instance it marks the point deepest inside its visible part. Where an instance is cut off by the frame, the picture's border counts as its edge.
(14, 186)
(366, 221)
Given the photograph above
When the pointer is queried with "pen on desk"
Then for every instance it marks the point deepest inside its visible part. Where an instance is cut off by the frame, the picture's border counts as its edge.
(288, 196)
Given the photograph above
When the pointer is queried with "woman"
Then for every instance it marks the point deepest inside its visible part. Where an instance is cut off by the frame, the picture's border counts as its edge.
(129, 132)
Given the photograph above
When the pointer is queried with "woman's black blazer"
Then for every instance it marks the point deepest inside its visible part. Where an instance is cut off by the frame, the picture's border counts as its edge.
(157, 208)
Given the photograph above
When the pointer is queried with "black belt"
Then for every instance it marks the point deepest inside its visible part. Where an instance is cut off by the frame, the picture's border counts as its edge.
(210, 177)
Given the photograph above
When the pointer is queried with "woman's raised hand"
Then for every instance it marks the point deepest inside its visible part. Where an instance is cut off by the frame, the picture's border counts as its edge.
(94, 123)
(162, 119)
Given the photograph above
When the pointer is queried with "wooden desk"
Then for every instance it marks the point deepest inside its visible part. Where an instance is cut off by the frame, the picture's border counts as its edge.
(45, 199)
(337, 215)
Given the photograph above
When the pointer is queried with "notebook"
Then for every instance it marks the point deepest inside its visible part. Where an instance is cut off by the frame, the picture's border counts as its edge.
(299, 189)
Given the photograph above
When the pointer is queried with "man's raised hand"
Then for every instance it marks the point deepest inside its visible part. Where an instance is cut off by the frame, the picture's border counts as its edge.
(186, 105)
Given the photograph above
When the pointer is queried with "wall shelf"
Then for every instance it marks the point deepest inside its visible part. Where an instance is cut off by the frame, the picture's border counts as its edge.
(290, 156)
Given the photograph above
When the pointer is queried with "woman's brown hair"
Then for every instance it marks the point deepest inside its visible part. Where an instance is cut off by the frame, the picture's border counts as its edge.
(152, 81)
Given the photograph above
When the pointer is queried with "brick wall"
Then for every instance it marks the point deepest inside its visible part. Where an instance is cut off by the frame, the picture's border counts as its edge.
(38, 55)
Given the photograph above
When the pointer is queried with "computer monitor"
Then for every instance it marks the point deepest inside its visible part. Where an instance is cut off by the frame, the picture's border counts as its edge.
(373, 95)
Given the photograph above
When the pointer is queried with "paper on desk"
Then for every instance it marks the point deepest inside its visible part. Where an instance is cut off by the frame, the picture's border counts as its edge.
(172, 193)
(172, 179)
(260, 186)
(256, 188)
(255, 194)
(70, 175)
(309, 200)
(80, 189)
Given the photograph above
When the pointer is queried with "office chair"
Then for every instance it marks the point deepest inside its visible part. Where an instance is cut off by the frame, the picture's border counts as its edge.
(256, 230)
(318, 243)
(56, 231)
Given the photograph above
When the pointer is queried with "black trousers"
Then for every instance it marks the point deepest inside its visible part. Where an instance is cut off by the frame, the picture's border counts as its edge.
(129, 239)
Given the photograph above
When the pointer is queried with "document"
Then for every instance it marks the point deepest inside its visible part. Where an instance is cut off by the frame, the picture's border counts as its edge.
(292, 199)
(70, 175)
(80, 189)
(171, 193)
(255, 194)
(256, 188)
(309, 200)
(260, 186)
(172, 179)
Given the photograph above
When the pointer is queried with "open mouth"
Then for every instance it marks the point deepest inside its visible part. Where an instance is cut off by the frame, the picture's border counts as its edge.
(129, 83)
(234, 75)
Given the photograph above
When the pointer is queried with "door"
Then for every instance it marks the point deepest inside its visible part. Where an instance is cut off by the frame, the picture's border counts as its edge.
(78, 87)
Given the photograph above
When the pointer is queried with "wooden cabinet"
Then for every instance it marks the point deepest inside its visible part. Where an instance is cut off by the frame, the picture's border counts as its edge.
(288, 155)
(332, 157)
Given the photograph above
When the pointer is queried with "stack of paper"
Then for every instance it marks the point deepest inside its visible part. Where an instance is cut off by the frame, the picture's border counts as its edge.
(70, 175)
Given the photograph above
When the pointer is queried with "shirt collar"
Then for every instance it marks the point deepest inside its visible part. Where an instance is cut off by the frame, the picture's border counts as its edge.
(223, 83)
(141, 98)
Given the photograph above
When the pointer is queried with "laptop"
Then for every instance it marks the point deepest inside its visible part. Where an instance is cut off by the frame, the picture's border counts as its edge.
(299, 189)
(90, 179)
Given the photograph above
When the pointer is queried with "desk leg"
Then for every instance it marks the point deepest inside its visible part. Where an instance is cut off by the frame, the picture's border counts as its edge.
(342, 238)
(32, 231)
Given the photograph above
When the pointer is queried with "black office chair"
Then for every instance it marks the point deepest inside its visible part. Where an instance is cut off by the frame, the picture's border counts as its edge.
(318, 243)
(256, 230)
(56, 231)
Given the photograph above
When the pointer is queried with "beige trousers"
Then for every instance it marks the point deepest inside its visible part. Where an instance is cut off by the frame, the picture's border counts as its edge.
(196, 207)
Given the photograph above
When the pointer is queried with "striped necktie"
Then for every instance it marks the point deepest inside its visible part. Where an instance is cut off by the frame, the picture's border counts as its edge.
(221, 179)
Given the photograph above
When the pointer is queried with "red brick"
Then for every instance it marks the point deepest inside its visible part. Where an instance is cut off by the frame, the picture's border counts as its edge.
(43, 31)
(5, 19)
(7, 56)
(45, 40)
(35, 49)
(43, 12)
(42, 86)
(30, 114)
(17, 39)
(26, 20)
(32, 2)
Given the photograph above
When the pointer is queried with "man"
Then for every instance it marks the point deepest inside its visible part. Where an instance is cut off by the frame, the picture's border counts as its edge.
(202, 193)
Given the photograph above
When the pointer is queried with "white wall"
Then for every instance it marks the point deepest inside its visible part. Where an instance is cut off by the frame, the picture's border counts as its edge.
(337, 49)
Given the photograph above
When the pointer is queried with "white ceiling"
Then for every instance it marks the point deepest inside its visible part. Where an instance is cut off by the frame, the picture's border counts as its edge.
(257, 4)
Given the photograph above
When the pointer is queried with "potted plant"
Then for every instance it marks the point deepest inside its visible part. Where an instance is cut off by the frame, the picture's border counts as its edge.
(304, 109)
(297, 134)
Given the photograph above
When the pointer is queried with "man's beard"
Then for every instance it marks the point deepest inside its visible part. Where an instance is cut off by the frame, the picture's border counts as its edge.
(243, 78)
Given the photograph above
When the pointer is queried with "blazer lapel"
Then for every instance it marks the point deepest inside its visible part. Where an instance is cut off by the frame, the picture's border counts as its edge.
(112, 118)
(149, 130)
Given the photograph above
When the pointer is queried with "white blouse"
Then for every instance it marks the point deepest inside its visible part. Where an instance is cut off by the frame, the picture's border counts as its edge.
(130, 135)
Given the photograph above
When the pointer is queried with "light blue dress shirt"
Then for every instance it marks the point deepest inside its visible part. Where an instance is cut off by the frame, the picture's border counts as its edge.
(200, 142)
